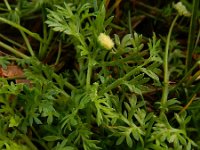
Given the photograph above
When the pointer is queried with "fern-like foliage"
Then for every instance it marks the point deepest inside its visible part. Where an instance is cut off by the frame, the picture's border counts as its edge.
(104, 105)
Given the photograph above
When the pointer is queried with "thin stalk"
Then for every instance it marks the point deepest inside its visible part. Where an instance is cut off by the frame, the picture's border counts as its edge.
(191, 36)
(27, 43)
(46, 36)
(129, 23)
(90, 67)
(186, 76)
(62, 91)
(67, 84)
(7, 5)
(28, 142)
(119, 81)
(21, 28)
(44, 24)
(14, 51)
(193, 78)
(59, 52)
(198, 36)
(12, 42)
(188, 104)
(43, 49)
(165, 66)
(42, 144)
(191, 98)
(89, 72)
(40, 141)
(95, 4)
(155, 9)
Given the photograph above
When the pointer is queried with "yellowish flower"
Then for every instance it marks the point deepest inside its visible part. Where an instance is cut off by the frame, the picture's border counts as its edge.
(182, 9)
(105, 41)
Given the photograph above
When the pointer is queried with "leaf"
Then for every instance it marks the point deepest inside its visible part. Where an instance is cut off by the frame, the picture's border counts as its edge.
(182, 139)
(132, 88)
(120, 140)
(51, 138)
(117, 40)
(135, 135)
(84, 51)
(127, 40)
(100, 17)
(37, 121)
(171, 138)
(150, 74)
(188, 147)
(14, 121)
(11, 71)
(4, 62)
(129, 141)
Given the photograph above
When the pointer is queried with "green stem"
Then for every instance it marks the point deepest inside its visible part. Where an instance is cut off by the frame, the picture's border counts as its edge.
(19, 27)
(119, 81)
(7, 5)
(165, 66)
(14, 51)
(186, 76)
(67, 84)
(129, 23)
(40, 141)
(12, 42)
(46, 36)
(191, 35)
(89, 72)
(28, 142)
(43, 50)
(27, 43)
(59, 52)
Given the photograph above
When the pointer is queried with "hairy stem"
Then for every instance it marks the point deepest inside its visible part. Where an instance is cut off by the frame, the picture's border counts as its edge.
(165, 66)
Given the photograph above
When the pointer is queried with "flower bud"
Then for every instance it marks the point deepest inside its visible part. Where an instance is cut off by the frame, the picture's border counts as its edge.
(105, 41)
(182, 9)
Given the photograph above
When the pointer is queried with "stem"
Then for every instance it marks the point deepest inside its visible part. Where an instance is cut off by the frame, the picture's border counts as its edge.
(28, 142)
(129, 23)
(165, 66)
(119, 81)
(14, 51)
(186, 75)
(40, 141)
(188, 104)
(67, 84)
(191, 36)
(59, 52)
(27, 43)
(44, 48)
(19, 27)
(46, 36)
(89, 72)
(12, 42)
(7, 5)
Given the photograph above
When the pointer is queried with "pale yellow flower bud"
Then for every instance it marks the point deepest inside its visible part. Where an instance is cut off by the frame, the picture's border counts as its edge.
(105, 41)
(182, 9)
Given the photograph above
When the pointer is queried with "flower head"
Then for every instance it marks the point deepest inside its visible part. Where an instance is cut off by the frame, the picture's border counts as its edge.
(105, 41)
(182, 9)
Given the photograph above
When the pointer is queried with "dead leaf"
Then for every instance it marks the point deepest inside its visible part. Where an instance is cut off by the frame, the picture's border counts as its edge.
(11, 71)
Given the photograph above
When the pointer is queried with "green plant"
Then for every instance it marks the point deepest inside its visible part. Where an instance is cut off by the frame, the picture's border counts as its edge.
(102, 102)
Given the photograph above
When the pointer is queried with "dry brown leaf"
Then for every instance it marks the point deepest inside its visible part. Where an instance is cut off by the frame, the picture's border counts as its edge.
(11, 71)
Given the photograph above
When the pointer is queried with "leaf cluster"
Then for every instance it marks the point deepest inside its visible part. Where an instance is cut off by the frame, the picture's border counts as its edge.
(102, 103)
